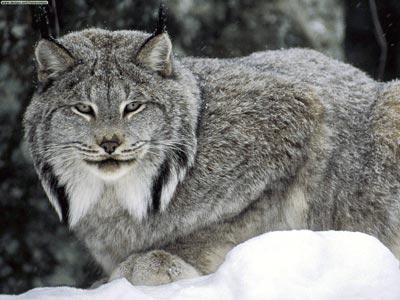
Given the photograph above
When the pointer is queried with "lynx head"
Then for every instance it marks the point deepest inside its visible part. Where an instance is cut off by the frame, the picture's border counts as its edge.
(113, 112)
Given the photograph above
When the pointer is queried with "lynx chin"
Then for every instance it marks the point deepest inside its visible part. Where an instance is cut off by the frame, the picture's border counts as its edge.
(161, 165)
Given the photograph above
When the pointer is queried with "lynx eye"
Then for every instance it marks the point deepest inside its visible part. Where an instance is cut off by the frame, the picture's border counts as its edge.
(85, 110)
(133, 107)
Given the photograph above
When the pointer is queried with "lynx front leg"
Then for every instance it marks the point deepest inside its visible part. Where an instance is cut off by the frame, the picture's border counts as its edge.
(154, 268)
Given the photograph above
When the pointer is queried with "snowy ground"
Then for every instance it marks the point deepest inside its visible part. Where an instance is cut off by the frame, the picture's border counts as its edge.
(285, 265)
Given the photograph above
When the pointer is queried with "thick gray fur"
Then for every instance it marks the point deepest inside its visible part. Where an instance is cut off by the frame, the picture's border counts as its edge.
(233, 148)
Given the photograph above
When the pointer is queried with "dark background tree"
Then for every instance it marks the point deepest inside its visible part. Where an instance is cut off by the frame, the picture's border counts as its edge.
(37, 250)
(361, 47)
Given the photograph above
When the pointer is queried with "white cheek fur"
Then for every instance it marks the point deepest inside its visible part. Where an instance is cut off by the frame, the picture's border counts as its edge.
(83, 188)
(131, 185)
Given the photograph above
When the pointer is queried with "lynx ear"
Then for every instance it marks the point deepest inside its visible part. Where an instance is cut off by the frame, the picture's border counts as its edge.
(51, 59)
(156, 54)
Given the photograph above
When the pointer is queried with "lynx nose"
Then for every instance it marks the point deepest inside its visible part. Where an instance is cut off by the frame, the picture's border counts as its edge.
(110, 145)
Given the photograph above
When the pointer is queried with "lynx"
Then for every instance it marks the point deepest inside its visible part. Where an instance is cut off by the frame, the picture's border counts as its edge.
(160, 165)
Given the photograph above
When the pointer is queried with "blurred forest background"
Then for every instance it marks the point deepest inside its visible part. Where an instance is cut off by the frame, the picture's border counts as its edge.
(37, 250)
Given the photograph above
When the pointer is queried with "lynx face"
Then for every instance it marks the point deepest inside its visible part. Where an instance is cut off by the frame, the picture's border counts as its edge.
(109, 133)
(111, 112)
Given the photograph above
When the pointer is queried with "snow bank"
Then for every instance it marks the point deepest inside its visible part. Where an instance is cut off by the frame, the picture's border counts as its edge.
(297, 265)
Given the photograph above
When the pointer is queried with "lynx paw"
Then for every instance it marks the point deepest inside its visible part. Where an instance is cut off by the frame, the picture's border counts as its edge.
(154, 268)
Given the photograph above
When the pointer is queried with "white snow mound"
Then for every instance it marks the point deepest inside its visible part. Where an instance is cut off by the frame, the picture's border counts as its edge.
(299, 265)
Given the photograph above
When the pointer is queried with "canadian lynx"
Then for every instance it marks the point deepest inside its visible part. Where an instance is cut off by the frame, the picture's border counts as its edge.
(161, 165)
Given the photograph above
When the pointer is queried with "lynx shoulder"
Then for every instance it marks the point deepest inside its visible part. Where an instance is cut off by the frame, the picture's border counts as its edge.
(161, 165)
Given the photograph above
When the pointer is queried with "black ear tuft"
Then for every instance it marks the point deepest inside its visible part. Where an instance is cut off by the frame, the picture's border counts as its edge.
(156, 52)
(44, 24)
(46, 20)
(162, 19)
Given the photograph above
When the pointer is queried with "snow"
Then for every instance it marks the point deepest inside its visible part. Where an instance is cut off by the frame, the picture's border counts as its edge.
(301, 265)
